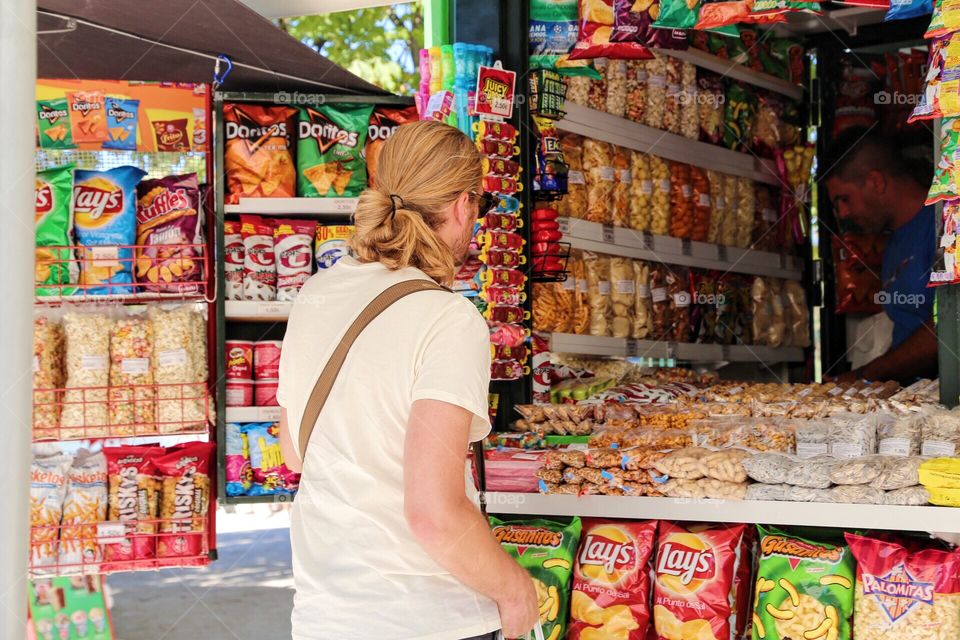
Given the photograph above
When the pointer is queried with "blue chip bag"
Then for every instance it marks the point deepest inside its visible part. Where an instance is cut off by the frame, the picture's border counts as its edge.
(270, 475)
(904, 9)
(105, 225)
(121, 124)
(239, 473)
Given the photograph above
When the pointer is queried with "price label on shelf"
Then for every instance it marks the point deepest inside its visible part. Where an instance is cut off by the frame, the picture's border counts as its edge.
(646, 241)
(725, 352)
(270, 414)
(345, 205)
(671, 350)
(633, 349)
(783, 261)
(686, 247)
(608, 233)
(111, 532)
(271, 309)
(564, 225)
(722, 254)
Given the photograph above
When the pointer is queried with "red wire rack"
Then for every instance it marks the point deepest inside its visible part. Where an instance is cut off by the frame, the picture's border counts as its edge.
(158, 273)
(91, 413)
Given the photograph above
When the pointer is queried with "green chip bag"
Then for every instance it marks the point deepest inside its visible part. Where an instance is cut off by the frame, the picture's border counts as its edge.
(54, 228)
(53, 123)
(678, 14)
(804, 588)
(546, 549)
(330, 141)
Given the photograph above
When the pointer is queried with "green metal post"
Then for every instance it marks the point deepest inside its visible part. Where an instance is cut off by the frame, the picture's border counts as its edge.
(436, 22)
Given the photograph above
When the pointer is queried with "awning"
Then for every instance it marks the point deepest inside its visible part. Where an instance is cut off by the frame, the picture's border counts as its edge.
(179, 41)
(292, 8)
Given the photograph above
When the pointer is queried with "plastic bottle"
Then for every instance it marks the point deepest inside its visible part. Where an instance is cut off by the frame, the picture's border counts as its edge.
(436, 70)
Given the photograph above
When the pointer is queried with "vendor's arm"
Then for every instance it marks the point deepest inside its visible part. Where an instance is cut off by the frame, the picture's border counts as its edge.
(915, 357)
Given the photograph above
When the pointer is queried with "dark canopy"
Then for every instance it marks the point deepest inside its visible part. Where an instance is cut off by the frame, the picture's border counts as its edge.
(177, 41)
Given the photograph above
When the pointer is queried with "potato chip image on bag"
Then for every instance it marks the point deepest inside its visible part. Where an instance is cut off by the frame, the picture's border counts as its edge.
(122, 124)
(105, 219)
(169, 255)
(330, 143)
(54, 228)
(259, 151)
(53, 123)
(88, 116)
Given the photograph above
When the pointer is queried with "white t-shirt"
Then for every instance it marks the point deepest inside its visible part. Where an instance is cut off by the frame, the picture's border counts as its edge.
(358, 571)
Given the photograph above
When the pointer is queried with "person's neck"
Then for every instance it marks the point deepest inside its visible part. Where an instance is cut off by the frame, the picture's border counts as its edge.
(908, 199)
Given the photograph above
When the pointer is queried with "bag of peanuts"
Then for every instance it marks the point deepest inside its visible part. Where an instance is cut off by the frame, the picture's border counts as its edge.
(804, 588)
(902, 595)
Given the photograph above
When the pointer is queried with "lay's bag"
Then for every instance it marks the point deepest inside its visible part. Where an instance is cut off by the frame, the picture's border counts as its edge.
(105, 217)
(54, 224)
(330, 144)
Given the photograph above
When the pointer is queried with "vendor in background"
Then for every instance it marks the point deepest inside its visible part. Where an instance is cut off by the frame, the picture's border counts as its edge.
(872, 183)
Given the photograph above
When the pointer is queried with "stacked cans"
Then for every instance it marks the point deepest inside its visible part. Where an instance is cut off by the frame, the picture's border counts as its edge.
(252, 370)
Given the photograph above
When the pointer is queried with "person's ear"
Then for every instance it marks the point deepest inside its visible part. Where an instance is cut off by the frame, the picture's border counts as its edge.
(461, 209)
(877, 182)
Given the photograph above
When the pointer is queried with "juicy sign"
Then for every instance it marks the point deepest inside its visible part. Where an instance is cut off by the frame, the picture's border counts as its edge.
(685, 563)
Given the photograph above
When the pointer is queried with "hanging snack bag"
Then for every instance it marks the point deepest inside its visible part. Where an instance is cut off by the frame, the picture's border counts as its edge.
(804, 588)
(133, 408)
(122, 124)
(594, 40)
(597, 271)
(677, 14)
(105, 219)
(332, 244)
(720, 13)
(258, 151)
(383, 122)
(84, 507)
(48, 372)
(48, 487)
(945, 20)
(293, 253)
(54, 228)
(271, 476)
(88, 117)
(330, 143)
(553, 33)
(87, 348)
(904, 9)
(259, 261)
(611, 580)
(180, 367)
(940, 81)
(546, 549)
(695, 570)
(53, 123)
(945, 175)
(134, 500)
(184, 502)
(170, 252)
(233, 257)
(239, 473)
(740, 107)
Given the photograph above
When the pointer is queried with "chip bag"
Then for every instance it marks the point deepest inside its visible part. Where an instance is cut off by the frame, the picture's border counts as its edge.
(945, 175)
(904, 9)
(553, 33)
(169, 255)
(546, 549)
(804, 588)
(171, 135)
(383, 122)
(134, 495)
(678, 14)
(611, 581)
(901, 595)
(53, 123)
(330, 143)
(259, 151)
(239, 473)
(293, 253)
(694, 590)
(88, 116)
(48, 487)
(332, 244)
(271, 476)
(84, 507)
(105, 219)
(122, 124)
(54, 228)
(597, 21)
(184, 501)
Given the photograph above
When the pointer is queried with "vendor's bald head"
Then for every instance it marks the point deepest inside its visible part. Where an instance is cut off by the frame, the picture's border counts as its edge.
(866, 177)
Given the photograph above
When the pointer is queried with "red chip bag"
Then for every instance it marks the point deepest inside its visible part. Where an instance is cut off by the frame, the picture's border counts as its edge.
(184, 501)
(383, 122)
(134, 493)
(168, 232)
(611, 581)
(695, 571)
(597, 20)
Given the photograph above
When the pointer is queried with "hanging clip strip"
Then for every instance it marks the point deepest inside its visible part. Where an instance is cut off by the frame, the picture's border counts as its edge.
(218, 78)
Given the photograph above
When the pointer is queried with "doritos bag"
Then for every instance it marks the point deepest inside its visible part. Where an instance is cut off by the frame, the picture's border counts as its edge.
(54, 224)
(184, 502)
(694, 591)
(596, 29)
(546, 550)
(88, 116)
(259, 151)
(330, 142)
(168, 228)
(122, 124)
(804, 588)
(53, 123)
(383, 122)
(105, 217)
(611, 581)
(134, 494)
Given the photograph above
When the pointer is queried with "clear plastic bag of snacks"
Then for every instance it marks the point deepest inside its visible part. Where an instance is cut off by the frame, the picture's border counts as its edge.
(574, 204)
(655, 108)
(601, 177)
(718, 213)
(683, 464)
(636, 89)
(597, 270)
(617, 88)
(643, 303)
(621, 187)
(641, 191)
(660, 199)
(87, 347)
(623, 296)
(863, 470)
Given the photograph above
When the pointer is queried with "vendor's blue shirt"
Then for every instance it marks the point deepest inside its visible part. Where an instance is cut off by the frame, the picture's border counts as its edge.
(907, 260)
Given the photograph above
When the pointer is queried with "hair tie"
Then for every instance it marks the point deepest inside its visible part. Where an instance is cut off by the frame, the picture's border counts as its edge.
(393, 204)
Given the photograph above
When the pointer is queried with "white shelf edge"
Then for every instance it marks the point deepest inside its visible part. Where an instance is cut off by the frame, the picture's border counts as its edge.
(736, 71)
(846, 516)
(685, 351)
(256, 311)
(633, 135)
(334, 207)
(589, 236)
(252, 414)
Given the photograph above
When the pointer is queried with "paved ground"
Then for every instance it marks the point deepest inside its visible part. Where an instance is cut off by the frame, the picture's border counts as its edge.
(245, 595)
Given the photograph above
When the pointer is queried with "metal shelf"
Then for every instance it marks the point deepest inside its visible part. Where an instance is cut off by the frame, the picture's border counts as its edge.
(337, 208)
(815, 514)
(620, 241)
(237, 500)
(632, 135)
(735, 71)
(256, 311)
(684, 351)
(253, 414)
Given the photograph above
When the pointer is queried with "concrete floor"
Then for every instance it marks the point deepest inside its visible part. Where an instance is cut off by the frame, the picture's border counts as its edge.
(246, 595)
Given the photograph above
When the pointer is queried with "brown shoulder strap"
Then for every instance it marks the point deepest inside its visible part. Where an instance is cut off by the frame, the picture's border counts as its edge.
(318, 397)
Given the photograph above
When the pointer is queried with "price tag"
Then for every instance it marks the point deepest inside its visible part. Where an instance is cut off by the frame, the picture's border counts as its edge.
(271, 414)
(725, 352)
(271, 309)
(564, 225)
(111, 532)
(671, 350)
(686, 247)
(647, 239)
(783, 261)
(608, 234)
(346, 205)
(722, 254)
(633, 349)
